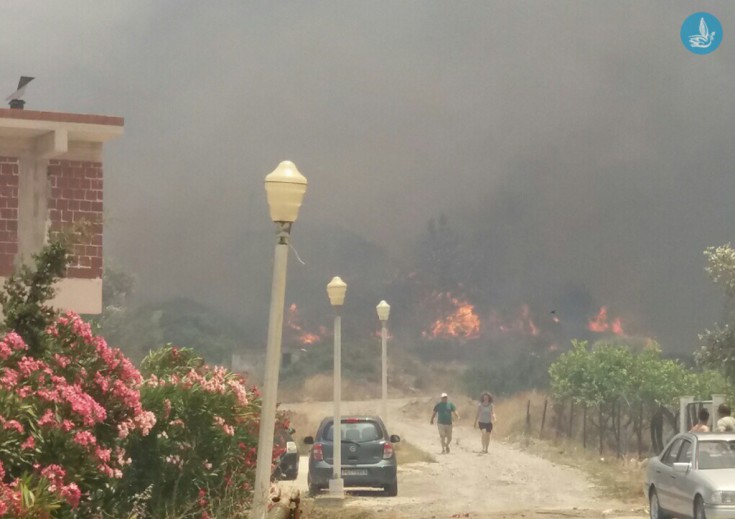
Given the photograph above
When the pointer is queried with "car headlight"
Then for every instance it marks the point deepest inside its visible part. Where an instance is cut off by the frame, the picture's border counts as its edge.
(291, 447)
(720, 497)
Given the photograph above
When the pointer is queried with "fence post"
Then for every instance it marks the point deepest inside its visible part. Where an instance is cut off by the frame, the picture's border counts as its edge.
(640, 431)
(602, 429)
(584, 426)
(543, 418)
(684, 401)
(618, 436)
(528, 417)
(571, 417)
(559, 418)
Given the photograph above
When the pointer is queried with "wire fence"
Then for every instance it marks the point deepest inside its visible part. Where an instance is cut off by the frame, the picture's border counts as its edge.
(614, 427)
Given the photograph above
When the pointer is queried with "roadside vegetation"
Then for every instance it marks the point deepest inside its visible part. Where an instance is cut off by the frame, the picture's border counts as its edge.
(84, 433)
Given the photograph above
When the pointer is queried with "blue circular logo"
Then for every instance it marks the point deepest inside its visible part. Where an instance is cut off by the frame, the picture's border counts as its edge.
(701, 33)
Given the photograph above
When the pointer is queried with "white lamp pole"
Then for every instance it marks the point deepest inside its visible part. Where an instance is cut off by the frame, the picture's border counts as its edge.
(285, 188)
(383, 309)
(336, 290)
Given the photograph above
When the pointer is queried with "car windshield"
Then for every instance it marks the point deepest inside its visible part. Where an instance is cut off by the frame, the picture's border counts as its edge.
(716, 454)
(357, 432)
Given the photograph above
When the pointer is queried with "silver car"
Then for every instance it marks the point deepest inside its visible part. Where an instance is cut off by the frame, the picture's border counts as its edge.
(694, 476)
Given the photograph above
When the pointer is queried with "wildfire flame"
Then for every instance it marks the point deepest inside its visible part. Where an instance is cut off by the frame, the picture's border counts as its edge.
(295, 323)
(460, 320)
(600, 324)
(522, 323)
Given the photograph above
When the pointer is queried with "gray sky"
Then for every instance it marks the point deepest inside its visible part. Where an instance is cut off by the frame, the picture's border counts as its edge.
(577, 141)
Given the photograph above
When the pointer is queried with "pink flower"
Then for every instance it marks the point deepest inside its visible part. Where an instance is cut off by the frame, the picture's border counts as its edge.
(9, 379)
(227, 429)
(28, 365)
(15, 425)
(14, 342)
(48, 418)
(102, 382)
(84, 405)
(62, 360)
(72, 494)
(54, 473)
(85, 438)
(123, 429)
(145, 422)
(24, 392)
(28, 444)
(102, 454)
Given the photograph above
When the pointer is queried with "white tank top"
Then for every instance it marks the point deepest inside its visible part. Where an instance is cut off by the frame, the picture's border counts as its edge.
(485, 413)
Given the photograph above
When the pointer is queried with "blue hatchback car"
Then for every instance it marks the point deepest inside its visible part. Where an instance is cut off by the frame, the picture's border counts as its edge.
(368, 456)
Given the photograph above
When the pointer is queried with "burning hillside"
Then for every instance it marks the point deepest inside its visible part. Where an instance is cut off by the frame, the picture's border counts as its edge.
(458, 319)
(295, 323)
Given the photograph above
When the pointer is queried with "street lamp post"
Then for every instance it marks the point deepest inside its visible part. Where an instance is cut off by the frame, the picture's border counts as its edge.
(285, 188)
(336, 290)
(383, 309)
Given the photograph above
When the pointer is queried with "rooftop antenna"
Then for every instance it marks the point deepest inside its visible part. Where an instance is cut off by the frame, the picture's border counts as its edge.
(15, 98)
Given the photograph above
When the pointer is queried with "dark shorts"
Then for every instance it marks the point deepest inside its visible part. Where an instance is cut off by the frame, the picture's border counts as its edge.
(486, 426)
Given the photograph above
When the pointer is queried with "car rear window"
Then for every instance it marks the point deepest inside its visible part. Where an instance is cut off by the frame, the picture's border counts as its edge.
(356, 431)
(716, 454)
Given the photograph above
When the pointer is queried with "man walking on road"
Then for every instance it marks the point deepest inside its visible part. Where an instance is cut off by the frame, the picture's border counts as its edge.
(443, 411)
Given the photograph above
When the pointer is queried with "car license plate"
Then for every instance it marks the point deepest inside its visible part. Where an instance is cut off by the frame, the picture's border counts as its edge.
(354, 472)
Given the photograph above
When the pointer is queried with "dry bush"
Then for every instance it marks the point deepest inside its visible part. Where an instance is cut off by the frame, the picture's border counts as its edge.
(407, 453)
(511, 413)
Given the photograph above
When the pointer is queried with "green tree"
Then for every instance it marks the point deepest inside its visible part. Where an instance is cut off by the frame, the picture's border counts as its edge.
(25, 294)
(608, 372)
(717, 349)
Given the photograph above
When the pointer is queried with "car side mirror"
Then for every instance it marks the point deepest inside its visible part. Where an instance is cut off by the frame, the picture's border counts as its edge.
(394, 438)
(682, 467)
(309, 440)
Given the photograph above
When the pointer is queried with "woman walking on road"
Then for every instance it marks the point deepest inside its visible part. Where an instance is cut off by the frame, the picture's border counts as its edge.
(485, 418)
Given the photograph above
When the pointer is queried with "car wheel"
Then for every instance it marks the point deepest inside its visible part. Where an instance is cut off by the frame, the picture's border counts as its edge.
(699, 512)
(391, 490)
(655, 507)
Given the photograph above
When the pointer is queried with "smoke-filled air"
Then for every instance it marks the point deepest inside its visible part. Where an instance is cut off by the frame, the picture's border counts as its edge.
(541, 191)
(580, 159)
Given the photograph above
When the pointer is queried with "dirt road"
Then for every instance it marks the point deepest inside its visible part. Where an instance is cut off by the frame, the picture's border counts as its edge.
(505, 483)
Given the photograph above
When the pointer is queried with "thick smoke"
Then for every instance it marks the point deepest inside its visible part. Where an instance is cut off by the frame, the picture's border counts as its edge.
(582, 153)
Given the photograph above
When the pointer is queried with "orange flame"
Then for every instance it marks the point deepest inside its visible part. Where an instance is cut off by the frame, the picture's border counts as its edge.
(294, 322)
(461, 321)
(600, 324)
(522, 323)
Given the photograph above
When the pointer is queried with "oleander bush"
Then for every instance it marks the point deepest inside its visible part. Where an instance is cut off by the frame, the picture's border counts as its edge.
(204, 443)
(84, 434)
(65, 416)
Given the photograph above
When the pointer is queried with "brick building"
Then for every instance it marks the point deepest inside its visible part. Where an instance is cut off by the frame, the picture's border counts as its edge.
(51, 178)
